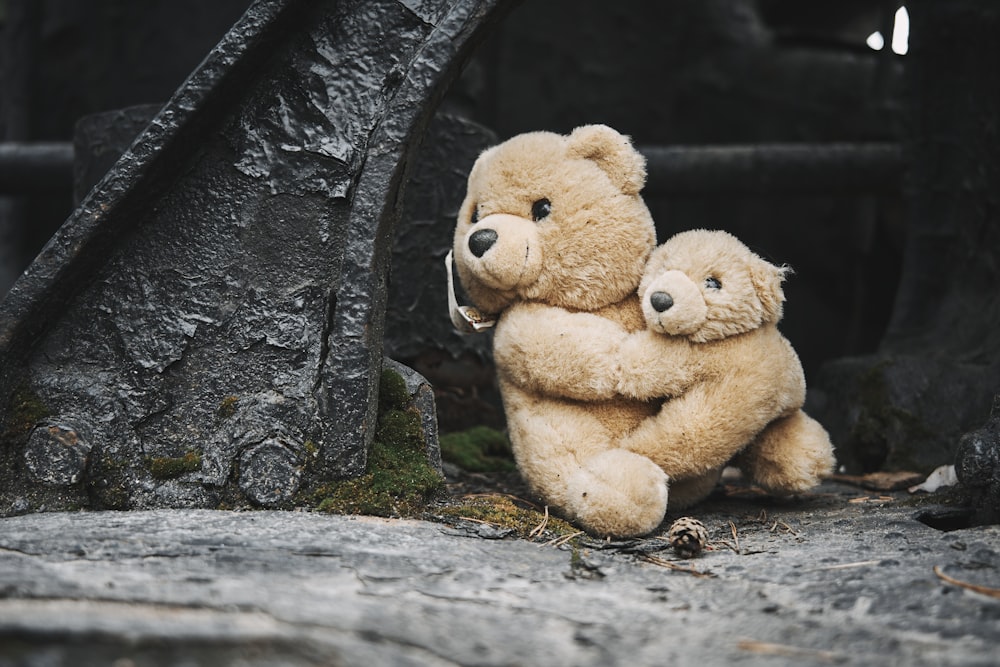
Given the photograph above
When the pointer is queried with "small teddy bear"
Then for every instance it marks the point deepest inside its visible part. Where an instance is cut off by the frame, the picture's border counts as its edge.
(736, 385)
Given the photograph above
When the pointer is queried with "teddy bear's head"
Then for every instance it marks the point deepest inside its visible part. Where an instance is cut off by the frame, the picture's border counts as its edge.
(555, 219)
(707, 285)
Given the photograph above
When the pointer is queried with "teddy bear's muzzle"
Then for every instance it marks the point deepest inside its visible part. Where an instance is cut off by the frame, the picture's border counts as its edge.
(674, 305)
(503, 251)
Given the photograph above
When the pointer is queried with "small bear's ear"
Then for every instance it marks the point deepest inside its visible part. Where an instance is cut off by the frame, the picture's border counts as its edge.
(767, 279)
(613, 152)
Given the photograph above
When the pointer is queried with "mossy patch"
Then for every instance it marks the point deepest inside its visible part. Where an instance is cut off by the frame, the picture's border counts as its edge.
(168, 467)
(479, 449)
(398, 481)
(25, 409)
(107, 483)
(392, 393)
(227, 407)
(506, 512)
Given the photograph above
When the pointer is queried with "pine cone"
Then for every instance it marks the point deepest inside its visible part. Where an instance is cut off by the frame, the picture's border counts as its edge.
(687, 536)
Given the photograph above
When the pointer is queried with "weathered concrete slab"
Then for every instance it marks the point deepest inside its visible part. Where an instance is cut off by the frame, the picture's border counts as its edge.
(823, 581)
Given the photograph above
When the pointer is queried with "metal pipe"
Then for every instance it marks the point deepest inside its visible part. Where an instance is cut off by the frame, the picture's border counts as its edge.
(770, 169)
(35, 167)
(761, 169)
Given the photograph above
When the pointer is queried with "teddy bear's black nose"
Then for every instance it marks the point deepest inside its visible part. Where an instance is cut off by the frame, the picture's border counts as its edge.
(481, 241)
(661, 301)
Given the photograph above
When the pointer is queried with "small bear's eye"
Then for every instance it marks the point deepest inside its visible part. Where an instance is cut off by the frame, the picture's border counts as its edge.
(541, 209)
(475, 214)
(712, 283)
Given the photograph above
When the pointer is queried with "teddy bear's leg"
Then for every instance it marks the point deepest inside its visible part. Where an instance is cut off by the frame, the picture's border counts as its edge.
(686, 492)
(789, 456)
(617, 493)
(701, 430)
(566, 455)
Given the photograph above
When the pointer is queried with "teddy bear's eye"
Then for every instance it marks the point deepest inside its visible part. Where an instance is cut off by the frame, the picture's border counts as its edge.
(541, 209)
(713, 283)
(475, 215)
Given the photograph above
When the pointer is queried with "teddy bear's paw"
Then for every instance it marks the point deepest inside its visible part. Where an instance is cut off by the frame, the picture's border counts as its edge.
(618, 493)
(788, 481)
(792, 458)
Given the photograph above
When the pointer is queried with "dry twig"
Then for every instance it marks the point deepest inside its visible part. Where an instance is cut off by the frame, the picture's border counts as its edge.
(510, 496)
(844, 566)
(982, 590)
(785, 527)
(656, 560)
(561, 540)
(768, 648)
(869, 499)
(540, 528)
(714, 546)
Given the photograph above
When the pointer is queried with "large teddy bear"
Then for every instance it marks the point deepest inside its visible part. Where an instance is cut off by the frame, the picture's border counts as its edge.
(553, 239)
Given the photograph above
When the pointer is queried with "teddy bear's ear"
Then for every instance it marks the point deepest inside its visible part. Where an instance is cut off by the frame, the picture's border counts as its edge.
(613, 152)
(767, 279)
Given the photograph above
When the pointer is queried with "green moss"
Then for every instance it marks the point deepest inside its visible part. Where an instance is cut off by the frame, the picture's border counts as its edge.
(392, 393)
(107, 483)
(479, 449)
(504, 512)
(398, 482)
(312, 450)
(401, 430)
(25, 410)
(227, 408)
(166, 467)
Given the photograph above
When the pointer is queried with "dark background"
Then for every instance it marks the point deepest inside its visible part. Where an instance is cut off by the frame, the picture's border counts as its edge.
(669, 73)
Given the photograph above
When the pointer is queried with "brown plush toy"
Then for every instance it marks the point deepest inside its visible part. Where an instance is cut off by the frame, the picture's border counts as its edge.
(552, 242)
(736, 384)
(552, 238)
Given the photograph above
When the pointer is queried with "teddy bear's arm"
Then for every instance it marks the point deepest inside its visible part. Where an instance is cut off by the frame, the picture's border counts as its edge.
(555, 352)
(747, 382)
(654, 365)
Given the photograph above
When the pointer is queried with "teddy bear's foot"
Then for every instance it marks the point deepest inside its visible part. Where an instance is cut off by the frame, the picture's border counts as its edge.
(617, 493)
(791, 455)
(686, 492)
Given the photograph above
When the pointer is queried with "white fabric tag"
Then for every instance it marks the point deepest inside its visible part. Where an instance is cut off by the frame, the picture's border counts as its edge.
(464, 318)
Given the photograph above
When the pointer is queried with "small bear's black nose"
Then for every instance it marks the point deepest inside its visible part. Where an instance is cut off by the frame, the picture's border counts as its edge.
(661, 301)
(481, 241)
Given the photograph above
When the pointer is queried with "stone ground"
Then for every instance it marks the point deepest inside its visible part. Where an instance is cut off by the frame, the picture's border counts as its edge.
(840, 576)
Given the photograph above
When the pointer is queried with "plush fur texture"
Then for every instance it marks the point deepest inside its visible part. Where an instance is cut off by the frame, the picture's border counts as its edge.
(565, 288)
(736, 385)
(553, 238)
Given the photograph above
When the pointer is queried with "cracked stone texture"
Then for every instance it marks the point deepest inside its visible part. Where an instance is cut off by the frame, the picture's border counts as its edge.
(222, 290)
(841, 577)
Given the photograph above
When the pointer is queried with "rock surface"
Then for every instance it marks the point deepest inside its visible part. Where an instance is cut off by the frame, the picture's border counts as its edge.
(840, 577)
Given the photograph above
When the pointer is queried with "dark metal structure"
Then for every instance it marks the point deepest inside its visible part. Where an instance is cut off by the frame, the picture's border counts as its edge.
(218, 298)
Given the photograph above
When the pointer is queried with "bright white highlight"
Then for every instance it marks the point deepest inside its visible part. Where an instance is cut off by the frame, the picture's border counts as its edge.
(900, 34)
